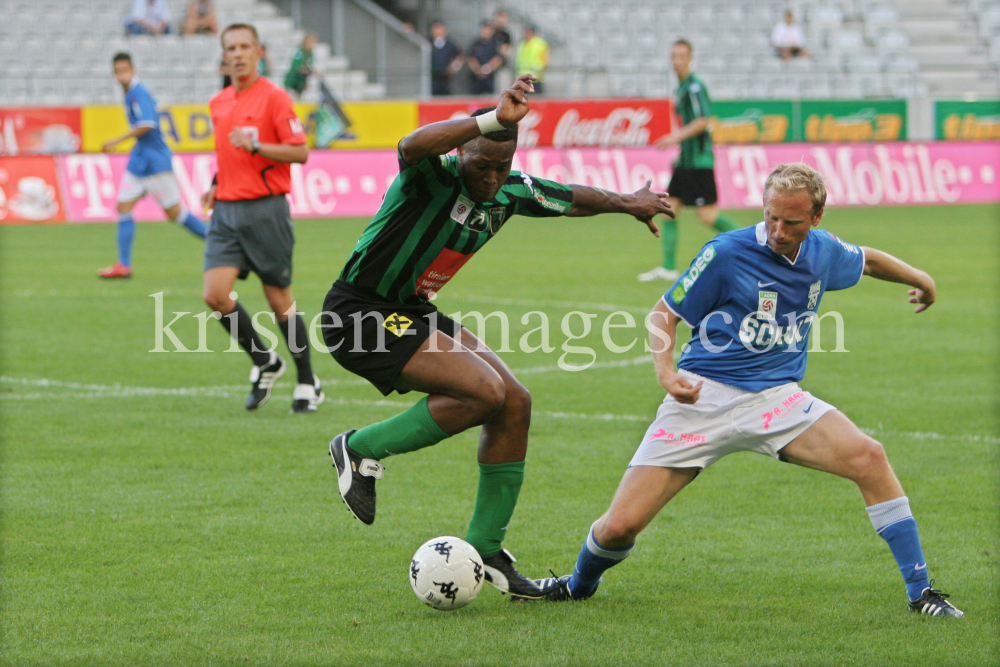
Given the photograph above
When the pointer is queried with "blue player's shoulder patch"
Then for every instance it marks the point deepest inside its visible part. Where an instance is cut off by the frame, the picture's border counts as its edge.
(698, 266)
(830, 237)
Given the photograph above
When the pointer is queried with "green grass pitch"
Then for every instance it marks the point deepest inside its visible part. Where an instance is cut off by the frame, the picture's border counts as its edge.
(149, 520)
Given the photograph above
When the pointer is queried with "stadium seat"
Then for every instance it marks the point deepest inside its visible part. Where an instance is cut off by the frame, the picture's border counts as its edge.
(880, 19)
(892, 43)
(989, 22)
(672, 18)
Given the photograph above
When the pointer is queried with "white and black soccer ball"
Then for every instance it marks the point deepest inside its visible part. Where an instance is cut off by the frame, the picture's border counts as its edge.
(446, 573)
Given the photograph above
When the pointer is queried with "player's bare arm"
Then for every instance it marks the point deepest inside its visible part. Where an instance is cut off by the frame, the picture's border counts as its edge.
(643, 204)
(445, 136)
(692, 129)
(883, 266)
(295, 153)
(662, 336)
(135, 133)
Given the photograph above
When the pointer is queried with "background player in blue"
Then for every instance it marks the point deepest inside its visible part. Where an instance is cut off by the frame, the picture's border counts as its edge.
(149, 170)
(751, 297)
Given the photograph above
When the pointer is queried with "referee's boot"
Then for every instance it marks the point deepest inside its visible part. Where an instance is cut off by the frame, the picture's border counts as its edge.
(262, 379)
(307, 397)
(356, 477)
(500, 572)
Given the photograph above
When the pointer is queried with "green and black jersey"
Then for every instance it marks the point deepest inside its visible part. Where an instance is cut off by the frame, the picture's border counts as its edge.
(692, 103)
(428, 227)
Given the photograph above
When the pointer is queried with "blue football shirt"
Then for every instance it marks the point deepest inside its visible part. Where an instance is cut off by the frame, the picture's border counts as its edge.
(150, 155)
(751, 309)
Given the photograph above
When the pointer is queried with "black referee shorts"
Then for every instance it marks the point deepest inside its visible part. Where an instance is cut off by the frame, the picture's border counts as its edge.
(374, 338)
(253, 235)
(694, 187)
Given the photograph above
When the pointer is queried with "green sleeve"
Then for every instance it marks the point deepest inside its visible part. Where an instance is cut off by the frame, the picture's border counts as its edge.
(537, 197)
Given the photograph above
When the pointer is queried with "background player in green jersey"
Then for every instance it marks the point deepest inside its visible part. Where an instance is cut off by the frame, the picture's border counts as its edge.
(693, 180)
(380, 323)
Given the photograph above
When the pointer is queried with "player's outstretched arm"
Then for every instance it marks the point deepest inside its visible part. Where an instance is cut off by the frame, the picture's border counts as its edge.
(135, 133)
(443, 137)
(643, 204)
(662, 336)
(884, 266)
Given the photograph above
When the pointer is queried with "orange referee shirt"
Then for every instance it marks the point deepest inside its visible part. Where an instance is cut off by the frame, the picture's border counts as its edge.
(264, 112)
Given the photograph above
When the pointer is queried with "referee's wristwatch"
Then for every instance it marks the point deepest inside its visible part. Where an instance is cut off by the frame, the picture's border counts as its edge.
(255, 145)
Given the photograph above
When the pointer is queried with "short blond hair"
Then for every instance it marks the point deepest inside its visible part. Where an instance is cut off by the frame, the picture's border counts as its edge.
(796, 176)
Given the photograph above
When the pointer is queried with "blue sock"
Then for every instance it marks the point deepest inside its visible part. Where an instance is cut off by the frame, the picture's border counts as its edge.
(193, 224)
(126, 232)
(894, 521)
(592, 562)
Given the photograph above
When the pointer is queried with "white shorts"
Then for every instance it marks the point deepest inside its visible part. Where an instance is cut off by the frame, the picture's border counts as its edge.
(726, 420)
(162, 187)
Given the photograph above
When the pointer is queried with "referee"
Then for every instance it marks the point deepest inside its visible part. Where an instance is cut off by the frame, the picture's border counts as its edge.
(693, 180)
(257, 136)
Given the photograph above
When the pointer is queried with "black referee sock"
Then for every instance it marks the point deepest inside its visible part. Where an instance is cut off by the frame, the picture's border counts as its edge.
(246, 335)
(299, 347)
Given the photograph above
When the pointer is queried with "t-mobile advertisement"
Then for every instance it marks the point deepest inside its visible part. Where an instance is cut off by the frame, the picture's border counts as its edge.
(344, 184)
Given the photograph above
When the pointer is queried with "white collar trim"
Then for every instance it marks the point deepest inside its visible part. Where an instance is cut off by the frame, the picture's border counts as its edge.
(761, 233)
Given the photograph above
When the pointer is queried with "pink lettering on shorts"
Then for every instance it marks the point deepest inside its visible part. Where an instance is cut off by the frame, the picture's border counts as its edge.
(678, 439)
(792, 401)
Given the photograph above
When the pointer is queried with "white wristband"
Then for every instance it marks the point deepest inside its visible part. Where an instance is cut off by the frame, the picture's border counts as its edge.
(488, 122)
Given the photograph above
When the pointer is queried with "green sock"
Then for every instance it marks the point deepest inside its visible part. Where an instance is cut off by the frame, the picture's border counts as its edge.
(724, 224)
(406, 432)
(499, 484)
(668, 237)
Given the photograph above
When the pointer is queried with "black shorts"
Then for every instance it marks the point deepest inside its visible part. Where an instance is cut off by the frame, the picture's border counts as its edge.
(694, 187)
(253, 235)
(375, 338)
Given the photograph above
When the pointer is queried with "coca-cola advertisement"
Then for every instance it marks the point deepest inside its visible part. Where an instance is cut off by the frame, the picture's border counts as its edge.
(616, 123)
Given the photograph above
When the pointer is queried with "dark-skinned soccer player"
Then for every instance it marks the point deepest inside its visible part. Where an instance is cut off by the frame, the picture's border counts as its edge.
(380, 323)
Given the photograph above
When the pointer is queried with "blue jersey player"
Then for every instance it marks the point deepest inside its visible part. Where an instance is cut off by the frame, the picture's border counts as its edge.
(750, 298)
(149, 171)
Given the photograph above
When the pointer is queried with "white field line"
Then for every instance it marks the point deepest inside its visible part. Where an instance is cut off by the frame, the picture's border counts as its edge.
(96, 391)
(926, 435)
(500, 301)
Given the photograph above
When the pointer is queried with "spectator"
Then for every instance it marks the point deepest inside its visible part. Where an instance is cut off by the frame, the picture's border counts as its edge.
(500, 33)
(264, 66)
(533, 57)
(446, 59)
(302, 66)
(148, 17)
(788, 39)
(484, 59)
(201, 18)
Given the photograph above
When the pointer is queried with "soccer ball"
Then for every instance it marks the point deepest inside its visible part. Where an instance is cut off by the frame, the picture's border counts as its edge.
(446, 573)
